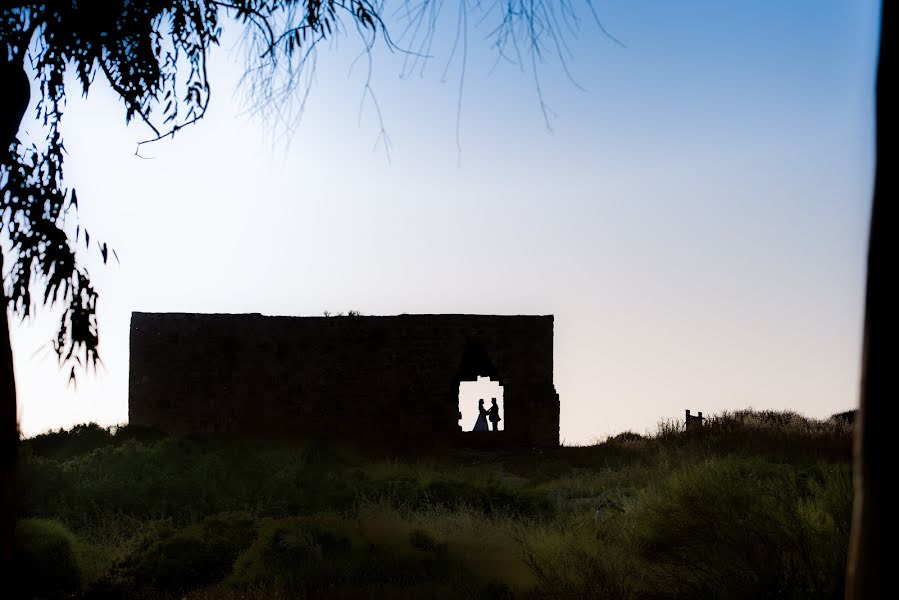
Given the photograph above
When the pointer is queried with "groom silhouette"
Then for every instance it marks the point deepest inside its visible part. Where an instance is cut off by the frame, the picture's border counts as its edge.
(493, 413)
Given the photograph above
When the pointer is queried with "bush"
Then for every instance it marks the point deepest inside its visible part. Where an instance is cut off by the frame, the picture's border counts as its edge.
(784, 435)
(625, 437)
(77, 440)
(424, 541)
(44, 562)
(313, 555)
(194, 557)
(180, 479)
(723, 528)
(746, 529)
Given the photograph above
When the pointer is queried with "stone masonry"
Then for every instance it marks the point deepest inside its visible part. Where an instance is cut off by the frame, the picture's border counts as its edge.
(391, 379)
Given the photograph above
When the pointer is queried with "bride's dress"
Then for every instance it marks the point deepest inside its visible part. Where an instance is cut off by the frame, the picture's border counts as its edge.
(481, 423)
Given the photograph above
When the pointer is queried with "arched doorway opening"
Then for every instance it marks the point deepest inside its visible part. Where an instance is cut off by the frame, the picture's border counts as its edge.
(470, 392)
(479, 380)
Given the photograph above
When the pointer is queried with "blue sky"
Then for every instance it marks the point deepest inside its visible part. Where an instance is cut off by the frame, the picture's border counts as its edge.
(695, 218)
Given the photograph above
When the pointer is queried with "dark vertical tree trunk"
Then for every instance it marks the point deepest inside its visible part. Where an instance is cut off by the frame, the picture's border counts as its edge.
(13, 104)
(874, 509)
(9, 431)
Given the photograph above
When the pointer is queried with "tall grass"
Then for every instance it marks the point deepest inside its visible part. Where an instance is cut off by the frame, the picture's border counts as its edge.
(773, 434)
(753, 504)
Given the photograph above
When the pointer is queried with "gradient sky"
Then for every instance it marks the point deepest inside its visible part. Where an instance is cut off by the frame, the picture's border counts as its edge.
(696, 218)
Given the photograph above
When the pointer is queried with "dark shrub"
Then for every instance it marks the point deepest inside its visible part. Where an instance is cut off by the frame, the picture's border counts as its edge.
(424, 541)
(496, 590)
(310, 556)
(847, 416)
(194, 557)
(44, 561)
(784, 435)
(746, 529)
(63, 444)
(624, 437)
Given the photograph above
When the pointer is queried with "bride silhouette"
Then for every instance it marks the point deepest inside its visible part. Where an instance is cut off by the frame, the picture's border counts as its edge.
(481, 423)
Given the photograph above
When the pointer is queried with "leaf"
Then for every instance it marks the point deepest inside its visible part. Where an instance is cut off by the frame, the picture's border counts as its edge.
(104, 251)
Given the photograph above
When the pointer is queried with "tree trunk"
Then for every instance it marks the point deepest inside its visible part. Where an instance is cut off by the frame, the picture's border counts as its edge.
(873, 521)
(9, 431)
(13, 104)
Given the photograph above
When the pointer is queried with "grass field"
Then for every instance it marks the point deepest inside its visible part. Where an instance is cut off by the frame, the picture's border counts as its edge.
(753, 505)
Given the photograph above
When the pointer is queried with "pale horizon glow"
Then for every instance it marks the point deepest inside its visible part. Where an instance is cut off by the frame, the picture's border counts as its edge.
(696, 220)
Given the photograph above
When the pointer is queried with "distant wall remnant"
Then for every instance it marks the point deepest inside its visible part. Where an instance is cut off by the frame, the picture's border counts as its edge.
(365, 378)
(692, 421)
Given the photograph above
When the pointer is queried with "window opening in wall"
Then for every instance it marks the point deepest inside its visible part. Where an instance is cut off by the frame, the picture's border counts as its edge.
(470, 393)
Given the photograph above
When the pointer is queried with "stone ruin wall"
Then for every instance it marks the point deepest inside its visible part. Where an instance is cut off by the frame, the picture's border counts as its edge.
(392, 378)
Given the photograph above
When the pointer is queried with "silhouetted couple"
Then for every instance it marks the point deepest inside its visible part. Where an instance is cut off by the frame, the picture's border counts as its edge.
(485, 415)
